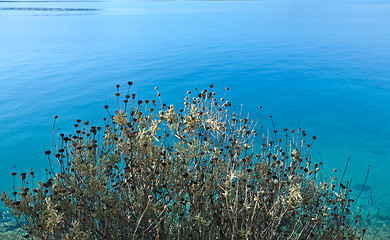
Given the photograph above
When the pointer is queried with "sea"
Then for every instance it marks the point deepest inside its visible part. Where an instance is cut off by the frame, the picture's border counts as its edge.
(323, 66)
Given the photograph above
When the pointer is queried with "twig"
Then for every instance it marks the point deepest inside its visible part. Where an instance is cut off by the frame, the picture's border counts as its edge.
(365, 181)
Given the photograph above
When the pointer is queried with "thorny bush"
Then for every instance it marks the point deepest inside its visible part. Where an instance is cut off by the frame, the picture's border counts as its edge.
(189, 173)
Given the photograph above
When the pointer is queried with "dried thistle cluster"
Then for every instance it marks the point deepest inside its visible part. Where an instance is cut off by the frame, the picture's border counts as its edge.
(157, 172)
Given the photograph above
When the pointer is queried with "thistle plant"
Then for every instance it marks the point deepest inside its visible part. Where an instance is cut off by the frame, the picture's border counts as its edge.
(201, 171)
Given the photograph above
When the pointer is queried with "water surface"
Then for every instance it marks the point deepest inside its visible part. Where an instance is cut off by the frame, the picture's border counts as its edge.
(321, 65)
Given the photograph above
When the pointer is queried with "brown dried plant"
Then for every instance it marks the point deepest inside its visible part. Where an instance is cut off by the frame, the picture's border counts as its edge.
(157, 172)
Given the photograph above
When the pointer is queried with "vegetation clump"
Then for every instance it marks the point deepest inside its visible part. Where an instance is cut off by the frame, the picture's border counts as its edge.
(158, 172)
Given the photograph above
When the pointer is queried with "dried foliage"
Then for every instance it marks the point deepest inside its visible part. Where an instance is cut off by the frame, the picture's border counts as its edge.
(190, 173)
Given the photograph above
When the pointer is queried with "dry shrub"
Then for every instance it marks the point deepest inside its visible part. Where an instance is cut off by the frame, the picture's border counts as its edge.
(157, 172)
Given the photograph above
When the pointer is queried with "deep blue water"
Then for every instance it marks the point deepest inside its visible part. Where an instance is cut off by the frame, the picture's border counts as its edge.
(323, 65)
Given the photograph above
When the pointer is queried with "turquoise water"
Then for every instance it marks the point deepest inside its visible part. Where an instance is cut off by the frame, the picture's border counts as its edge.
(323, 65)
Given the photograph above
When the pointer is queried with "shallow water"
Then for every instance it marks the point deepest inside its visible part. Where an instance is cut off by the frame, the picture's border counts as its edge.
(321, 65)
